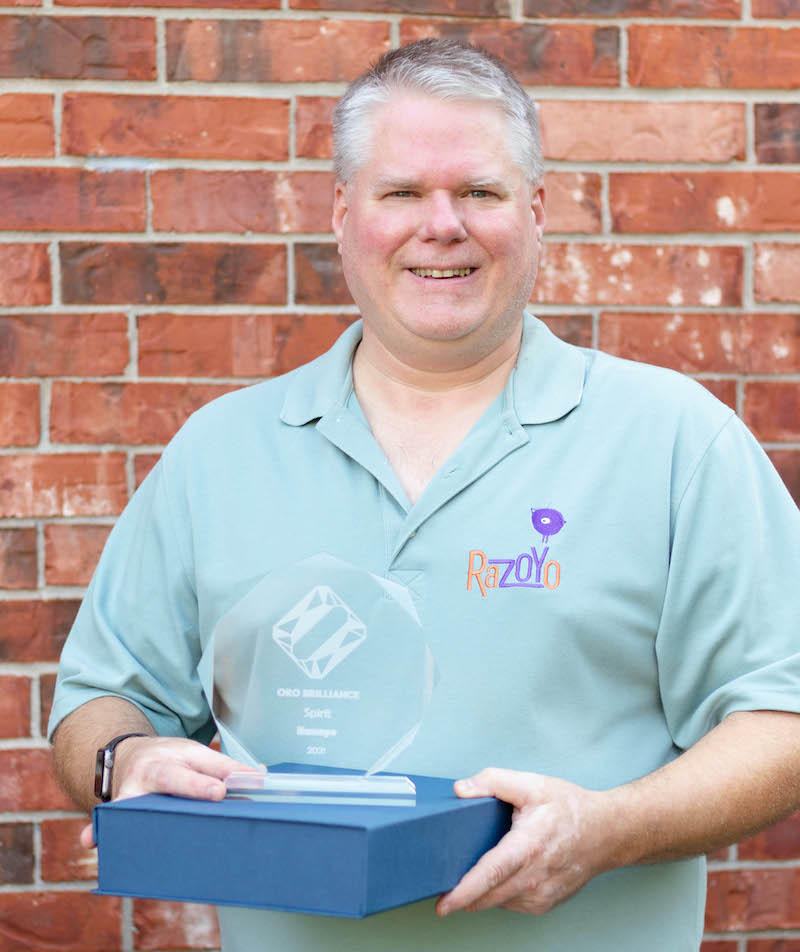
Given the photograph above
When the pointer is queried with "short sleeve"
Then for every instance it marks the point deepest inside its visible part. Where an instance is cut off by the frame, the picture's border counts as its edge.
(136, 633)
(729, 634)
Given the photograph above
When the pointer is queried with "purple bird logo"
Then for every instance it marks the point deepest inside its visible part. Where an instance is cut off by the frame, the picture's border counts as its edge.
(548, 522)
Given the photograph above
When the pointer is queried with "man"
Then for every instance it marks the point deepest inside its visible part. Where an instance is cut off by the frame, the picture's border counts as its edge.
(602, 556)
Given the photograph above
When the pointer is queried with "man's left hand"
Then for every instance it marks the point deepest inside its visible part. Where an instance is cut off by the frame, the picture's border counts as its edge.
(560, 838)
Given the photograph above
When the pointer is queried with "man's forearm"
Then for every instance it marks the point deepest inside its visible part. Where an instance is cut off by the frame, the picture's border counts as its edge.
(741, 777)
(80, 735)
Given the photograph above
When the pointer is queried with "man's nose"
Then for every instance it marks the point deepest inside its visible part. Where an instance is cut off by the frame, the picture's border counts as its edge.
(441, 219)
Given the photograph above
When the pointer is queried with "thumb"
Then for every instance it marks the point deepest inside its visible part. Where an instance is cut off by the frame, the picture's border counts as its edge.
(512, 786)
(87, 837)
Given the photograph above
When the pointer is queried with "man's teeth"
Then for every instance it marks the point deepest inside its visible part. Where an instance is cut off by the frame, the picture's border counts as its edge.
(447, 273)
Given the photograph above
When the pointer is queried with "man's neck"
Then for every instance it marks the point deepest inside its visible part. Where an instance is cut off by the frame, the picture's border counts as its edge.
(380, 377)
(419, 416)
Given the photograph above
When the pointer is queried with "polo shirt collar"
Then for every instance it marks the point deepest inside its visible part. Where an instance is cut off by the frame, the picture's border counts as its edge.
(324, 383)
(548, 379)
(546, 384)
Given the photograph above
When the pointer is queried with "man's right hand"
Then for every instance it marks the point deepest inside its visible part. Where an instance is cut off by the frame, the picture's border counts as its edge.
(172, 765)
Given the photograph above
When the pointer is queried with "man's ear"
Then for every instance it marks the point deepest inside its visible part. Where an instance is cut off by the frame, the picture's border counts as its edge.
(339, 212)
(537, 207)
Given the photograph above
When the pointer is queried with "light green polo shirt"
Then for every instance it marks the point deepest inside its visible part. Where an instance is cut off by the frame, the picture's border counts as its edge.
(605, 568)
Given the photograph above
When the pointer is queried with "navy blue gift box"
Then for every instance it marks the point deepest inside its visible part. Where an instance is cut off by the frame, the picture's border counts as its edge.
(325, 859)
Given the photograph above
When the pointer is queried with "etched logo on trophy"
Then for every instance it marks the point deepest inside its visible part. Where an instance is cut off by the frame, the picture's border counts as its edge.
(319, 632)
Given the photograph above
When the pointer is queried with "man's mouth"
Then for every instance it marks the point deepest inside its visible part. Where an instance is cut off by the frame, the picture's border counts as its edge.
(445, 273)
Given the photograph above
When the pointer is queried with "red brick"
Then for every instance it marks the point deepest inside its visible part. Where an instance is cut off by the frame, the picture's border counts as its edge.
(779, 9)
(777, 272)
(35, 630)
(704, 201)
(194, 201)
(781, 841)
(175, 273)
(26, 125)
(753, 899)
(706, 343)
(574, 329)
(576, 54)
(142, 464)
(62, 484)
(272, 51)
(463, 8)
(231, 345)
(71, 553)
(44, 47)
(71, 200)
(719, 946)
(16, 853)
(632, 8)
(42, 345)
(640, 275)
(47, 687)
(192, 127)
(772, 409)
(19, 414)
(773, 945)
(17, 560)
(125, 412)
(724, 390)
(582, 131)
(198, 4)
(174, 925)
(574, 202)
(721, 855)
(787, 462)
(15, 710)
(778, 132)
(27, 782)
(318, 275)
(718, 57)
(63, 857)
(24, 275)
(312, 127)
(62, 921)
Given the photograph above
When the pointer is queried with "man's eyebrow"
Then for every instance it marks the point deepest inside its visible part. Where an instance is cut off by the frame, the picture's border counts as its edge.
(402, 185)
(394, 183)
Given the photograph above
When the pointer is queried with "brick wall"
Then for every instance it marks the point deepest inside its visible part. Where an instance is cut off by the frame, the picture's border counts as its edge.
(164, 205)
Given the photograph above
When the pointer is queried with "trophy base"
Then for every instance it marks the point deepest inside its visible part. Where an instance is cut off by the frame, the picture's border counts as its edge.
(384, 790)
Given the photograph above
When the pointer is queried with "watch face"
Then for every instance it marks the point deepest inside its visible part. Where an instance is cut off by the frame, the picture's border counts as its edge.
(99, 770)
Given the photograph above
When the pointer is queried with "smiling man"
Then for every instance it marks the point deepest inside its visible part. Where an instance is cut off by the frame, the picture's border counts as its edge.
(603, 558)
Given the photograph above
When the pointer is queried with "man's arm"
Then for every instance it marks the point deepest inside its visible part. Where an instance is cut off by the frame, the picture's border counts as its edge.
(142, 764)
(741, 777)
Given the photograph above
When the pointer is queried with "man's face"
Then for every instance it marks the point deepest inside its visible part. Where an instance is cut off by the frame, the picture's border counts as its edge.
(439, 231)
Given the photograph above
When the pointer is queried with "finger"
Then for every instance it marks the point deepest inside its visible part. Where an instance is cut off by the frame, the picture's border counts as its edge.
(87, 837)
(518, 888)
(173, 777)
(491, 871)
(212, 762)
(512, 786)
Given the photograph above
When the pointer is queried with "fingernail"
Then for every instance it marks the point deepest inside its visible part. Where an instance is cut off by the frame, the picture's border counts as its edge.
(464, 786)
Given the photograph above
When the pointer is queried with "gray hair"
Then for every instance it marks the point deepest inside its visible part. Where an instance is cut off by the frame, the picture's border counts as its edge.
(443, 69)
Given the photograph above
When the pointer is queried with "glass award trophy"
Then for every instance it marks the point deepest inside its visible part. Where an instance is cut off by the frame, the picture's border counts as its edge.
(324, 664)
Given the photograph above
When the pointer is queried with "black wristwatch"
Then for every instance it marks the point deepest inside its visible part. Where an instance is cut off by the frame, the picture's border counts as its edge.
(104, 767)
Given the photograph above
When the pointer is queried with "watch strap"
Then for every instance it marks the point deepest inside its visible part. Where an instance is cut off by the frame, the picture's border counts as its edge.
(104, 764)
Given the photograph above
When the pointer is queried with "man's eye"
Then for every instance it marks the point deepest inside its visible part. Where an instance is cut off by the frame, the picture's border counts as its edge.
(479, 193)
(400, 193)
